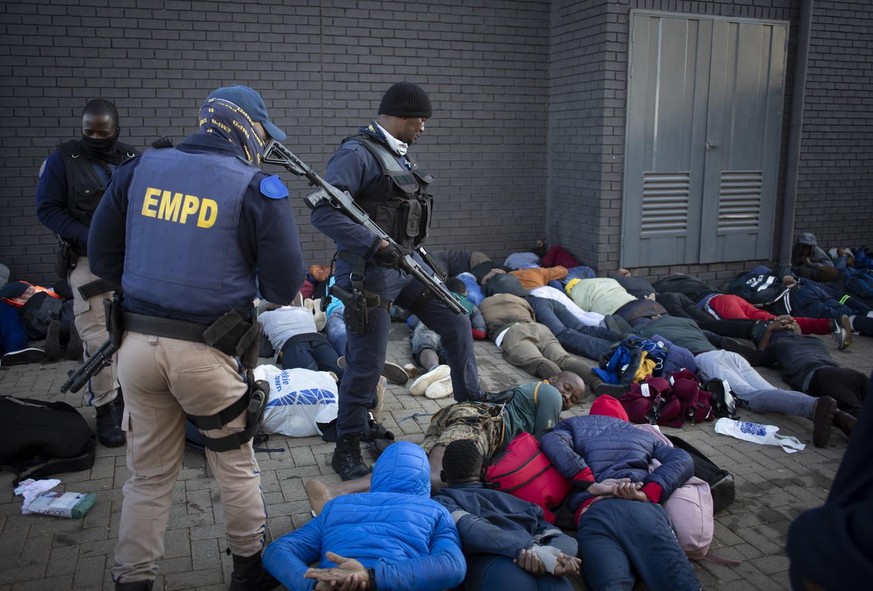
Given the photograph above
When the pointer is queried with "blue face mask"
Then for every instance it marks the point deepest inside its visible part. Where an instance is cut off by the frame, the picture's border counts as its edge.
(226, 120)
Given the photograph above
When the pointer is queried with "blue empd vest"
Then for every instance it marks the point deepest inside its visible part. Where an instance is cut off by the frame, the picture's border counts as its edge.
(182, 251)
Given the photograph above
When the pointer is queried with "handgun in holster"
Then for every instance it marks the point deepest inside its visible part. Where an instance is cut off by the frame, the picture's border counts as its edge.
(260, 394)
(355, 313)
(112, 310)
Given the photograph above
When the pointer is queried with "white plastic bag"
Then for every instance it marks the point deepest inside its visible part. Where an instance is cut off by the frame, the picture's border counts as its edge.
(299, 400)
(31, 489)
(758, 433)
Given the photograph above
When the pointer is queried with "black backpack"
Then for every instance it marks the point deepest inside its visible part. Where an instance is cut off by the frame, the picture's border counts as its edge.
(40, 438)
(721, 482)
(759, 289)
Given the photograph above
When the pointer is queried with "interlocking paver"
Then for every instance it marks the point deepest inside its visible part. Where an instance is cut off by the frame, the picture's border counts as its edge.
(39, 552)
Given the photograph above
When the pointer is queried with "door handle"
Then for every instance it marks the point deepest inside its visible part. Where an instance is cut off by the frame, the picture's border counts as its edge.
(710, 147)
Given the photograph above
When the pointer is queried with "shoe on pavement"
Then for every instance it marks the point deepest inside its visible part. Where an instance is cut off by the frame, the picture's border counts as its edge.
(392, 371)
(841, 331)
(823, 412)
(845, 422)
(440, 389)
(420, 385)
(395, 373)
(28, 355)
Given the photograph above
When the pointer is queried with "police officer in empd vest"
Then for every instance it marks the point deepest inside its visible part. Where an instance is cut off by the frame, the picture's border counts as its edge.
(71, 184)
(187, 232)
(374, 167)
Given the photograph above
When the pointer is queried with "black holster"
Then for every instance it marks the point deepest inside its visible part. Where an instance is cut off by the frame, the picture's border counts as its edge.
(66, 259)
(355, 311)
(114, 323)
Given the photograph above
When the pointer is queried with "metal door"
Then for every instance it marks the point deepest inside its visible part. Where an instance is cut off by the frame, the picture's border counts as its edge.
(702, 142)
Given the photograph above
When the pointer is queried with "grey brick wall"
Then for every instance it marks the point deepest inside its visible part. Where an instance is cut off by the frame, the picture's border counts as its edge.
(527, 138)
(322, 69)
(835, 185)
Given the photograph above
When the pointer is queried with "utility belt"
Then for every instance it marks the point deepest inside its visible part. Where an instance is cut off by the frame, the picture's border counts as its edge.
(231, 334)
(358, 301)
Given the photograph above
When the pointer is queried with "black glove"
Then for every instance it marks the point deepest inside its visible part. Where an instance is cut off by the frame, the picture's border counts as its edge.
(389, 257)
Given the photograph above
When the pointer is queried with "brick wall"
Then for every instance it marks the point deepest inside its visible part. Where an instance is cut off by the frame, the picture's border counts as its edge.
(835, 185)
(322, 69)
(527, 138)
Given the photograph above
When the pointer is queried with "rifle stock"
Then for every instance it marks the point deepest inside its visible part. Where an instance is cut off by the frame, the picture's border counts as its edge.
(101, 358)
(277, 154)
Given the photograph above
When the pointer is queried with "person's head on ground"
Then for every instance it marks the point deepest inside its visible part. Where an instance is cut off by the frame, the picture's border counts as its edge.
(238, 114)
(404, 109)
(402, 468)
(571, 387)
(456, 285)
(100, 129)
(462, 462)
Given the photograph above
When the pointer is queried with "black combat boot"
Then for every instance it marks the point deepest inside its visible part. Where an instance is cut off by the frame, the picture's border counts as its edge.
(109, 431)
(134, 586)
(249, 574)
(347, 460)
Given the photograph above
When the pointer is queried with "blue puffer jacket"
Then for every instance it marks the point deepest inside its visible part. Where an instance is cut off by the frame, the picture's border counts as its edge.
(599, 447)
(408, 539)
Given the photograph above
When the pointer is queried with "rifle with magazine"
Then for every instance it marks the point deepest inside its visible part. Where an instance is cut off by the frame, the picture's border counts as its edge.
(102, 358)
(276, 153)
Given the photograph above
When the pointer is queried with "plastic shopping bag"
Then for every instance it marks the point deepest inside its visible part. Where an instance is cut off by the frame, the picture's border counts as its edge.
(758, 433)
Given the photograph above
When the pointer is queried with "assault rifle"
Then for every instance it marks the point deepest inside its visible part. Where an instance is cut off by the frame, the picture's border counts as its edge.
(276, 153)
(102, 358)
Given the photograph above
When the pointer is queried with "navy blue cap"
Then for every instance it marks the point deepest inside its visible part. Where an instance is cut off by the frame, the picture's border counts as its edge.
(251, 102)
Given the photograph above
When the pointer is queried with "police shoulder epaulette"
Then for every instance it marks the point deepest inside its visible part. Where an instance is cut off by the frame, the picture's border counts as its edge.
(273, 187)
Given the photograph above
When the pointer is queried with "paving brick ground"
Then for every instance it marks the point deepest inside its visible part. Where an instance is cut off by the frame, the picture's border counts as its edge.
(39, 552)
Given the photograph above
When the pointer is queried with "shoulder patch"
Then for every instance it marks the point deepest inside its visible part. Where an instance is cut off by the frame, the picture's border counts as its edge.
(273, 187)
(42, 168)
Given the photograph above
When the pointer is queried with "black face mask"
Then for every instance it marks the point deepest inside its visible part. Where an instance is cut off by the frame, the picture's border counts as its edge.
(100, 149)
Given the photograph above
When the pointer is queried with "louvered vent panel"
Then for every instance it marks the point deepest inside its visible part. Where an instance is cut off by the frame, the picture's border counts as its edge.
(665, 204)
(739, 200)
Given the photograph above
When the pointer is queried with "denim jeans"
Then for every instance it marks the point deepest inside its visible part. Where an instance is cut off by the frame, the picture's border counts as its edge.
(750, 387)
(618, 537)
(490, 572)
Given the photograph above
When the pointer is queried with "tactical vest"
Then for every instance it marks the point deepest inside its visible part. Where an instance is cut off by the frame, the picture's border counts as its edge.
(182, 250)
(398, 202)
(84, 186)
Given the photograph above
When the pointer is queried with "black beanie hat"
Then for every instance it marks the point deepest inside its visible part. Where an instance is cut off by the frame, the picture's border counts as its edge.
(405, 99)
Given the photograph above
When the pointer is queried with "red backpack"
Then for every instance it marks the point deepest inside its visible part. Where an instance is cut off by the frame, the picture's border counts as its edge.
(524, 471)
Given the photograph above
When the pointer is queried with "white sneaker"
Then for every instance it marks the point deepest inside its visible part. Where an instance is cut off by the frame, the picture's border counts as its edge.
(440, 389)
(420, 385)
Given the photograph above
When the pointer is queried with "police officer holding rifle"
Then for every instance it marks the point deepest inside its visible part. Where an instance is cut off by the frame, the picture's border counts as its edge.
(373, 273)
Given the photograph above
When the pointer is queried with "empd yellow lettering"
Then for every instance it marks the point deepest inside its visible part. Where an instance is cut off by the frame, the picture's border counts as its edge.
(177, 207)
